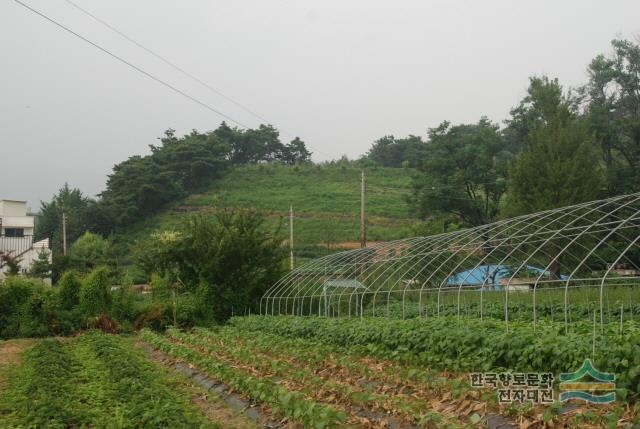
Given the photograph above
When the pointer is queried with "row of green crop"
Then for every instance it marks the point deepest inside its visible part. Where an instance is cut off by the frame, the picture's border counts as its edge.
(516, 311)
(474, 345)
(282, 401)
(93, 381)
(323, 382)
(545, 303)
(330, 372)
(314, 354)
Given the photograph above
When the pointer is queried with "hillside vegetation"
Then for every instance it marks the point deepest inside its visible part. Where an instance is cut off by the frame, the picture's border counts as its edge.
(325, 199)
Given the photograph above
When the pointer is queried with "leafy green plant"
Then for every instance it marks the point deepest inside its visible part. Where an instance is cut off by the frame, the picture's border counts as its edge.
(281, 400)
(95, 296)
(94, 380)
(476, 345)
(69, 288)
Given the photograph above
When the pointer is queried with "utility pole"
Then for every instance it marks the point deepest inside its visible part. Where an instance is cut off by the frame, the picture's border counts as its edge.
(363, 229)
(291, 237)
(64, 233)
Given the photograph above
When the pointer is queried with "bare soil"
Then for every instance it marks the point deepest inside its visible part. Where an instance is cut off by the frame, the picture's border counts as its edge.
(212, 405)
(10, 355)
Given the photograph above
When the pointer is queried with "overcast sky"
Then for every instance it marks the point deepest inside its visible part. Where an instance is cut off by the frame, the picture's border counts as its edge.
(339, 74)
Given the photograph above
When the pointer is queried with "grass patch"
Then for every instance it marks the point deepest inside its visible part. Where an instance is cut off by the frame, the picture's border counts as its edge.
(326, 202)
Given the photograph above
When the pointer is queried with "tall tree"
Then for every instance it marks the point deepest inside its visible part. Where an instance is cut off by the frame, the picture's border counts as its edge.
(389, 151)
(81, 213)
(463, 174)
(613, 107)
(559, 163)
(142, 185)
(295, 152)
(228, 260)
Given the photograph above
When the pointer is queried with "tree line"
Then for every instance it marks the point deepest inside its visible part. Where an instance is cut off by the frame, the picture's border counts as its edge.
(143, 184)
(557, 148)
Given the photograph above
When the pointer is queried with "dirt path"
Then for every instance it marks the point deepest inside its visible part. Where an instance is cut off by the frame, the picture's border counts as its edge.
(210, 402)
(10, 351)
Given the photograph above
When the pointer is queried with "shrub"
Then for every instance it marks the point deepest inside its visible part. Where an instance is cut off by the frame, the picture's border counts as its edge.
(95, 297)
(160, 288)
(29, 308)
(69, 289)
(90, 250)
(157, 317)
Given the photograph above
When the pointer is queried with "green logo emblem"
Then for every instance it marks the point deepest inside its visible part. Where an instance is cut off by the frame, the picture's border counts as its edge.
(573, 388)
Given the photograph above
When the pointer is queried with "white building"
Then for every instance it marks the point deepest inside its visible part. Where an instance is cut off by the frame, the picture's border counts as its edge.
(16, 236)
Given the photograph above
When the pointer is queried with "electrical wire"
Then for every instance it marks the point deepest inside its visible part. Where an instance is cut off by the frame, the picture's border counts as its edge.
(183, 71)
(167, 61)
(133, 66)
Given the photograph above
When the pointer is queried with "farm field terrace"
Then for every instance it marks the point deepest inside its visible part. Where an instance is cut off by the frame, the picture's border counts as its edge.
(311, 372)
(325, 199)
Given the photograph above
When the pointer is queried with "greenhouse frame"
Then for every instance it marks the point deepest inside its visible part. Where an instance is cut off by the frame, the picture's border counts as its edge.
(573, 253)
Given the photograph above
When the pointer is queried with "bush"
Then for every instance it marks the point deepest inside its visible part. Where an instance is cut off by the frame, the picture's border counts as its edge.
(90, 250)
(160, 288)
(69, 290)
(157, 317)
(188, 311)
(29, 308)
(124, 304)
(95, 297)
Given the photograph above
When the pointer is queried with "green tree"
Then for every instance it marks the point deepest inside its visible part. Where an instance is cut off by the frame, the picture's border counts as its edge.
(82, 215)
(559, 164)
(612, 98)
(463, 174)
(389, 151)
(89, 251)
(295, 152)
(10, 263)
(228, 260)
(141, 185)
(69, 286)
(95, 297)
(41, 267)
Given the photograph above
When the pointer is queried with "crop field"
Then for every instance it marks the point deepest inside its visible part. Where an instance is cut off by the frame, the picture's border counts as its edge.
(95, 380)
(311, 372)
(620, 303)
(325, 199)
(322, 372)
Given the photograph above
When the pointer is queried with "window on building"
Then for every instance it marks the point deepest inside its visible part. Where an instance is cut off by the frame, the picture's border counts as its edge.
(14, 232)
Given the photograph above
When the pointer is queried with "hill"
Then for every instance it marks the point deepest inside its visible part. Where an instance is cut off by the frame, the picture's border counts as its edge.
(325, 199)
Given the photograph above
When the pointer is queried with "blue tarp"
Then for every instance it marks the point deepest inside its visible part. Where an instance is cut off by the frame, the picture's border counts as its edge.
(491, 273)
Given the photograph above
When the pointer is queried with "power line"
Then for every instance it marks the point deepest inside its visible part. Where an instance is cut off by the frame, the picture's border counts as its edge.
(166, 61)
(133, 66)
(182, 70)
